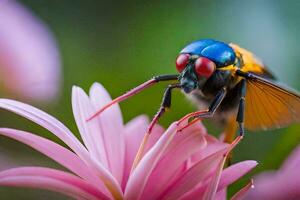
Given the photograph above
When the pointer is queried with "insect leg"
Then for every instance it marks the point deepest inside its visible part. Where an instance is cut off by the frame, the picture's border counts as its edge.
(241, 110)
(135, 91)
(239, 119)
(206, 113)
(165, 104)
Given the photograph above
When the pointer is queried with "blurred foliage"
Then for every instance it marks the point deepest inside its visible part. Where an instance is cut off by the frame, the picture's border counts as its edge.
(123, 43)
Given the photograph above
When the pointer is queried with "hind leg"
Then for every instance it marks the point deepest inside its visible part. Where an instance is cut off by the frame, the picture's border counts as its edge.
(231, 126)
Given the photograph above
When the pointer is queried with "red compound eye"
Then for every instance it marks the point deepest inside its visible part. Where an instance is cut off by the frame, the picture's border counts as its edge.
(181, 62)
(204, 67)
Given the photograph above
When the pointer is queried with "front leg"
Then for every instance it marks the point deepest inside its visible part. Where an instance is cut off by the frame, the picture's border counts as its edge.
(165, 104)
(136, 90)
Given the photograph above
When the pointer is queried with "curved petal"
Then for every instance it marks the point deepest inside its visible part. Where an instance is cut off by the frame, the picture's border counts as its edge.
(112, 130)
(141, 173)
(229, 175)
(243, 192)
(214, 183)
(170, 165)
(62, 132)
(213, 145)
(211, 190)
(29, 57)
(50, 179)
(46, 121)
(235, 172)
(90, 131)
(56, 152)
(194, 129)
(194, 175)
(134, 132)
(276, 185)
(156, 133)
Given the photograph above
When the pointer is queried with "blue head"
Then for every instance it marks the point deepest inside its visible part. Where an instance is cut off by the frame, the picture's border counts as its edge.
(199, 60)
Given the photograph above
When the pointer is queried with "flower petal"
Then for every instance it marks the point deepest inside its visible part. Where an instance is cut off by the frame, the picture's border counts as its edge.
(56, 152)
(46, 121)
(292, 163)
(213, 145)
(180, 149)
(212, 187)
(276, 185)
(156, 133)
(134, 132)
(229, 175)
(29, 57)
(243, 192)
(235, 172)
(82, 109)
(50, 179)
(111, 123)
(221, 195)
(196, 128)
(62, 132)
(141, 173)
(214, 182)
(194, 175)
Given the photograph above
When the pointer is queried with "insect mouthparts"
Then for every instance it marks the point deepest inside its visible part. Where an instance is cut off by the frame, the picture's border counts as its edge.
(188, 85)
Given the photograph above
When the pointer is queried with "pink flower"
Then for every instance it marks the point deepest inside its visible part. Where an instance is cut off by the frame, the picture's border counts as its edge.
(185, 165)
(281, 184)
(29, 58)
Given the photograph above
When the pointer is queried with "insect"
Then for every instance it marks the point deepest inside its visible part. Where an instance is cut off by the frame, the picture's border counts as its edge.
(228, 83)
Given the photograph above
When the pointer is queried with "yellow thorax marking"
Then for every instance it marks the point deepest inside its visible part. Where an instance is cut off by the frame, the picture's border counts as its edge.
(231, 68)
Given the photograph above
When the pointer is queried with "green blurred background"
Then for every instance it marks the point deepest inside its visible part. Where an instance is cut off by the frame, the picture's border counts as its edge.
(123, 43)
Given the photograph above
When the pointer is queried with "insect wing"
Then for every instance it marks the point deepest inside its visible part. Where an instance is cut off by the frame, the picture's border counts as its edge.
(269, 105)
